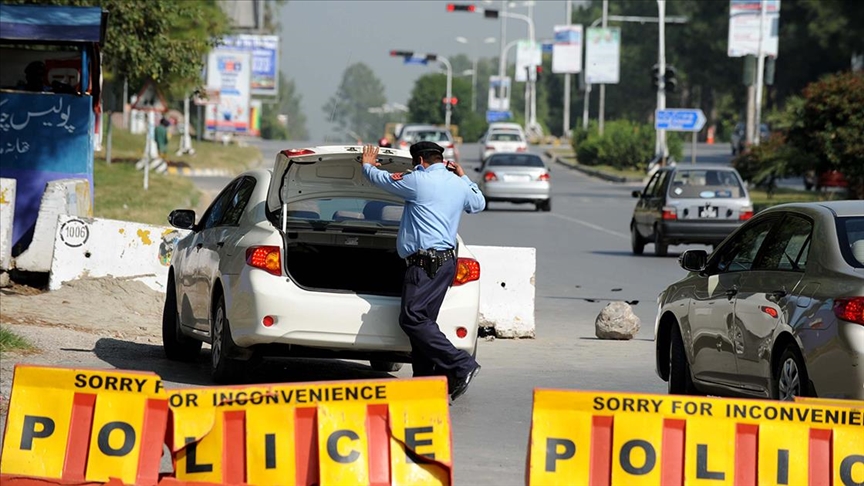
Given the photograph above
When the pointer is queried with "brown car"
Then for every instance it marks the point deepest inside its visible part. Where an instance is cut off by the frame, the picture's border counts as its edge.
(776, 311)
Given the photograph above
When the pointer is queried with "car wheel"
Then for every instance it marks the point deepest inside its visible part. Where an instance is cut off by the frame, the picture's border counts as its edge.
(680, 382)
(177, 346)
(661, 247)
(789, 377)
(547, 205)
(636, 241)
(222, 368)
(385, 366)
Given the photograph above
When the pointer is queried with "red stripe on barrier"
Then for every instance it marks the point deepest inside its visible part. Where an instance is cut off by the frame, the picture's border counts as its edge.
(672, 452)
(306, 445)
(746, 454)
(78, 443)
(152, 439)
(234, 447)
(377, 417)
(820, 457)
(600, 473)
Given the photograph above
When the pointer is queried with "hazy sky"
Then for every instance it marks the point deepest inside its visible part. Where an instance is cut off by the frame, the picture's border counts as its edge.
(320, 38)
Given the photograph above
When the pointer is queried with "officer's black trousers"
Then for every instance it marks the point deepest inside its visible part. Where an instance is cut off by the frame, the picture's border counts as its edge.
(431, 352)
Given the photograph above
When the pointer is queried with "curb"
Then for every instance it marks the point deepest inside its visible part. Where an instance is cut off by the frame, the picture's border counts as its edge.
(592, 172)
(190, 172)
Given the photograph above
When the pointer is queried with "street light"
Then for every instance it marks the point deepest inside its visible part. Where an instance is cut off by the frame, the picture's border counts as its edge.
(424, 59)
(463, 40)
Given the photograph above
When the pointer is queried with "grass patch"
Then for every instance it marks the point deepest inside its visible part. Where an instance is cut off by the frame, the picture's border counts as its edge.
(9, 341)
(119, 194)
(126, 146)
(606, 169)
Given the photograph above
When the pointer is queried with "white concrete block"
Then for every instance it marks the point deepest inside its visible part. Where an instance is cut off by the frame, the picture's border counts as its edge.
(63, 196)
(7, 218)
(86, 247)
(507, 289)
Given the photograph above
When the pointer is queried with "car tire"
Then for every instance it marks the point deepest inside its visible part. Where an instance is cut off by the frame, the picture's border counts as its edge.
(789, 377)
(177, 346)
(637, 243)
(223, 369)
(544, 206)
(661, 247)
(680, 382)
(385, 366)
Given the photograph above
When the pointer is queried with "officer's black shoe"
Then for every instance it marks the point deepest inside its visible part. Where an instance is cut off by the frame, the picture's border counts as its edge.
(461, 384)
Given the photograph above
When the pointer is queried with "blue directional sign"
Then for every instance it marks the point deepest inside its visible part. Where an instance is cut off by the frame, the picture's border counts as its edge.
(496, 116)
(546, 47)
(416, 60)
(680, 120)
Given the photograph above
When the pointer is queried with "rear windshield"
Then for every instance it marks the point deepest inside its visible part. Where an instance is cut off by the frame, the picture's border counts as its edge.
(850, 233)
(428, 136)
(706, 183)
(526, 160)
(346, 209)
(505, 137)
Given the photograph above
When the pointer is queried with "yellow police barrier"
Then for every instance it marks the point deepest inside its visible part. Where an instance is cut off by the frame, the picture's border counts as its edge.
(612, 439)
(383, 432)
(77, 425)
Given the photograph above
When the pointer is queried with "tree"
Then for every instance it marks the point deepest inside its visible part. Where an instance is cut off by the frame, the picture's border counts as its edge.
(831, 123)
(165, 40)
(426, 104)
(288, 106)
(359, 91)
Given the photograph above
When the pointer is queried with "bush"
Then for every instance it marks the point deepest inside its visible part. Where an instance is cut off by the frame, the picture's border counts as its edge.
(624, 145)
(771, 158)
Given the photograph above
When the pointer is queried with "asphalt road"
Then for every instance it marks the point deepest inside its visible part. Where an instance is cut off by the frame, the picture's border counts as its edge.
(583, 262)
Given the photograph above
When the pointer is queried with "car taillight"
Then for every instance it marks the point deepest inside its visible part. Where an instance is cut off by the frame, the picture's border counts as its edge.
(266, 258)
(543, 177)
(669, 213)
(522, 149)
(850, 309)
(490, 176)
(297, 152)
(745, 213)
(490, 147)
(467, 270)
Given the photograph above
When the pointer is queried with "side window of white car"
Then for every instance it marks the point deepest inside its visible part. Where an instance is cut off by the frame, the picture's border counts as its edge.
(217, 209)
(238, 202)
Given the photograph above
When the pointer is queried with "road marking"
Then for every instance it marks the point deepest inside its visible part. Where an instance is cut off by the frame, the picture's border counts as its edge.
(591, 225)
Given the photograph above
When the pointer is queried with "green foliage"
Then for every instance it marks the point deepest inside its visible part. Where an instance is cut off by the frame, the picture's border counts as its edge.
(831, 126)
(165, 40)
(624, 145)
(359, 91)
(9, 341)
(289, 106)
(771, 158)
(426, 106)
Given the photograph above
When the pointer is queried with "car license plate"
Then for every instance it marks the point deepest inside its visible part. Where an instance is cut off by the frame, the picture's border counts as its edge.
(708, 212)
(519, 178)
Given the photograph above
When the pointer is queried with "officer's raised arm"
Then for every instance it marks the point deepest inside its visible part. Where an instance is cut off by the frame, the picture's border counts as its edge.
(393, 183)
(474, 201)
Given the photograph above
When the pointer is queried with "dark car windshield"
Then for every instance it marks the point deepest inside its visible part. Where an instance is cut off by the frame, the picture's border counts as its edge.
(514, 160)
(850, 233)
(706, 183)
(505, 137)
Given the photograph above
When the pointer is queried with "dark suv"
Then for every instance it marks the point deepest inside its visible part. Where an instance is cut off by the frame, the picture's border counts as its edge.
(690, 204)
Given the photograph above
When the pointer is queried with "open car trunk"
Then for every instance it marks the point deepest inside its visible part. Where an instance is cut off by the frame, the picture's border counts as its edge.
(344, 262)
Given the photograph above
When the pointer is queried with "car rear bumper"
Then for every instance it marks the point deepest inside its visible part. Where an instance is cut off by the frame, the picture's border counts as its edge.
(534, 191)
(698, 231)
(335, 320)
(837, 367)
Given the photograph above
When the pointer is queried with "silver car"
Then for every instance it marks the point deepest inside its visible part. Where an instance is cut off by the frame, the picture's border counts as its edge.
(429, 133)
(776, 311)
(516, 178)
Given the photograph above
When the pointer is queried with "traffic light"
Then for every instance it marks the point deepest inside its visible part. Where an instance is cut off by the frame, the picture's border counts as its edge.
(655, 76)
(401, 53)
(538, 70)
(671, 79)
(490, 14)
(460, 7)
(452, 101)
(770, 67)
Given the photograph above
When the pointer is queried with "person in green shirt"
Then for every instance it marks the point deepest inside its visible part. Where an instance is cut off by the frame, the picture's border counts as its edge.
(160, 133)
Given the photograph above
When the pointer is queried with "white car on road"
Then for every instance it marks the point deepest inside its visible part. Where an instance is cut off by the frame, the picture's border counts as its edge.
(300, 261)
(502, 140)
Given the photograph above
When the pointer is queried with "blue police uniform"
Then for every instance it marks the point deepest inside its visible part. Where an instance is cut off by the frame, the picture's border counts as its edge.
(434, 202)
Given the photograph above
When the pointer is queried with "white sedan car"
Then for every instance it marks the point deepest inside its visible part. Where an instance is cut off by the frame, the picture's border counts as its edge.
(502, 140)
(300, 261)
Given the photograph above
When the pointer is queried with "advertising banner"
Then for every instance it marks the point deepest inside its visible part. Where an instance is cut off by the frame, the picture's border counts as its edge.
(230, 73)
(602, 55)
(265, 60)
(744, 28)
(528, 54)
(494, 103)
(567, 49)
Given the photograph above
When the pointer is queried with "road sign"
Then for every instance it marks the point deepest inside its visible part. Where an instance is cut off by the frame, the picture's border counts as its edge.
(416, 60)
(496, 116)
(150, 99)
(680, 120)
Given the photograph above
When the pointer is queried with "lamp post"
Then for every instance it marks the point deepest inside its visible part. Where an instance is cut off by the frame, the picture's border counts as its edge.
(463, 40)
(424, 59)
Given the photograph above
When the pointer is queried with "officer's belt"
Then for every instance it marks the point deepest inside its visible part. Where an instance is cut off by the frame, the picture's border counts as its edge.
(430, 260)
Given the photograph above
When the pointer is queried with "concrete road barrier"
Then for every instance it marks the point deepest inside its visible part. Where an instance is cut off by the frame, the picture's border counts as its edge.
(7, 218)
(507, 289)
(109, 248)
(63, 196)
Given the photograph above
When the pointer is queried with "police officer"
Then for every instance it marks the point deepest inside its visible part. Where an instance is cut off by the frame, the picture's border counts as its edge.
(434, 201)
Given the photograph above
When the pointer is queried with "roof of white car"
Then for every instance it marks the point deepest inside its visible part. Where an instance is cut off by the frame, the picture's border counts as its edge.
(341, 149)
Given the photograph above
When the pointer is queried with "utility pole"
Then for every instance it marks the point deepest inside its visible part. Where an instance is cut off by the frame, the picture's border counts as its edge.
(602, 115)
(760, 73)
(565, 128)
(448, 109)
(661, 149)
(502, 61)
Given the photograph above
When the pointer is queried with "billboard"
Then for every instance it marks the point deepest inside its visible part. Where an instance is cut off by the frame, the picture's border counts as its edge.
(230, 73)
(567, 49)
(494, 103)
(265, 60)
(744, 28)
(602, 55)
(528, 54)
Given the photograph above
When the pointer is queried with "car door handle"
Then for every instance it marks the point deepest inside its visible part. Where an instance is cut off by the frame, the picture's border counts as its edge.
(199, 246)
(732, 292)
(220, 244)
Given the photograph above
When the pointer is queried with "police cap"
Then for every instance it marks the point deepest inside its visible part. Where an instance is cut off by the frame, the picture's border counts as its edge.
(419, 148)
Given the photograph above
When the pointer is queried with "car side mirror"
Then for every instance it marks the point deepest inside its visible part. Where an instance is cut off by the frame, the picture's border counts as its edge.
(693, 260)
(637, 194)
(182, 218)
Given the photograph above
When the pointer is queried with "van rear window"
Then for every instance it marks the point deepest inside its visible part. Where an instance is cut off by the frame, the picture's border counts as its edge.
(706, 183)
